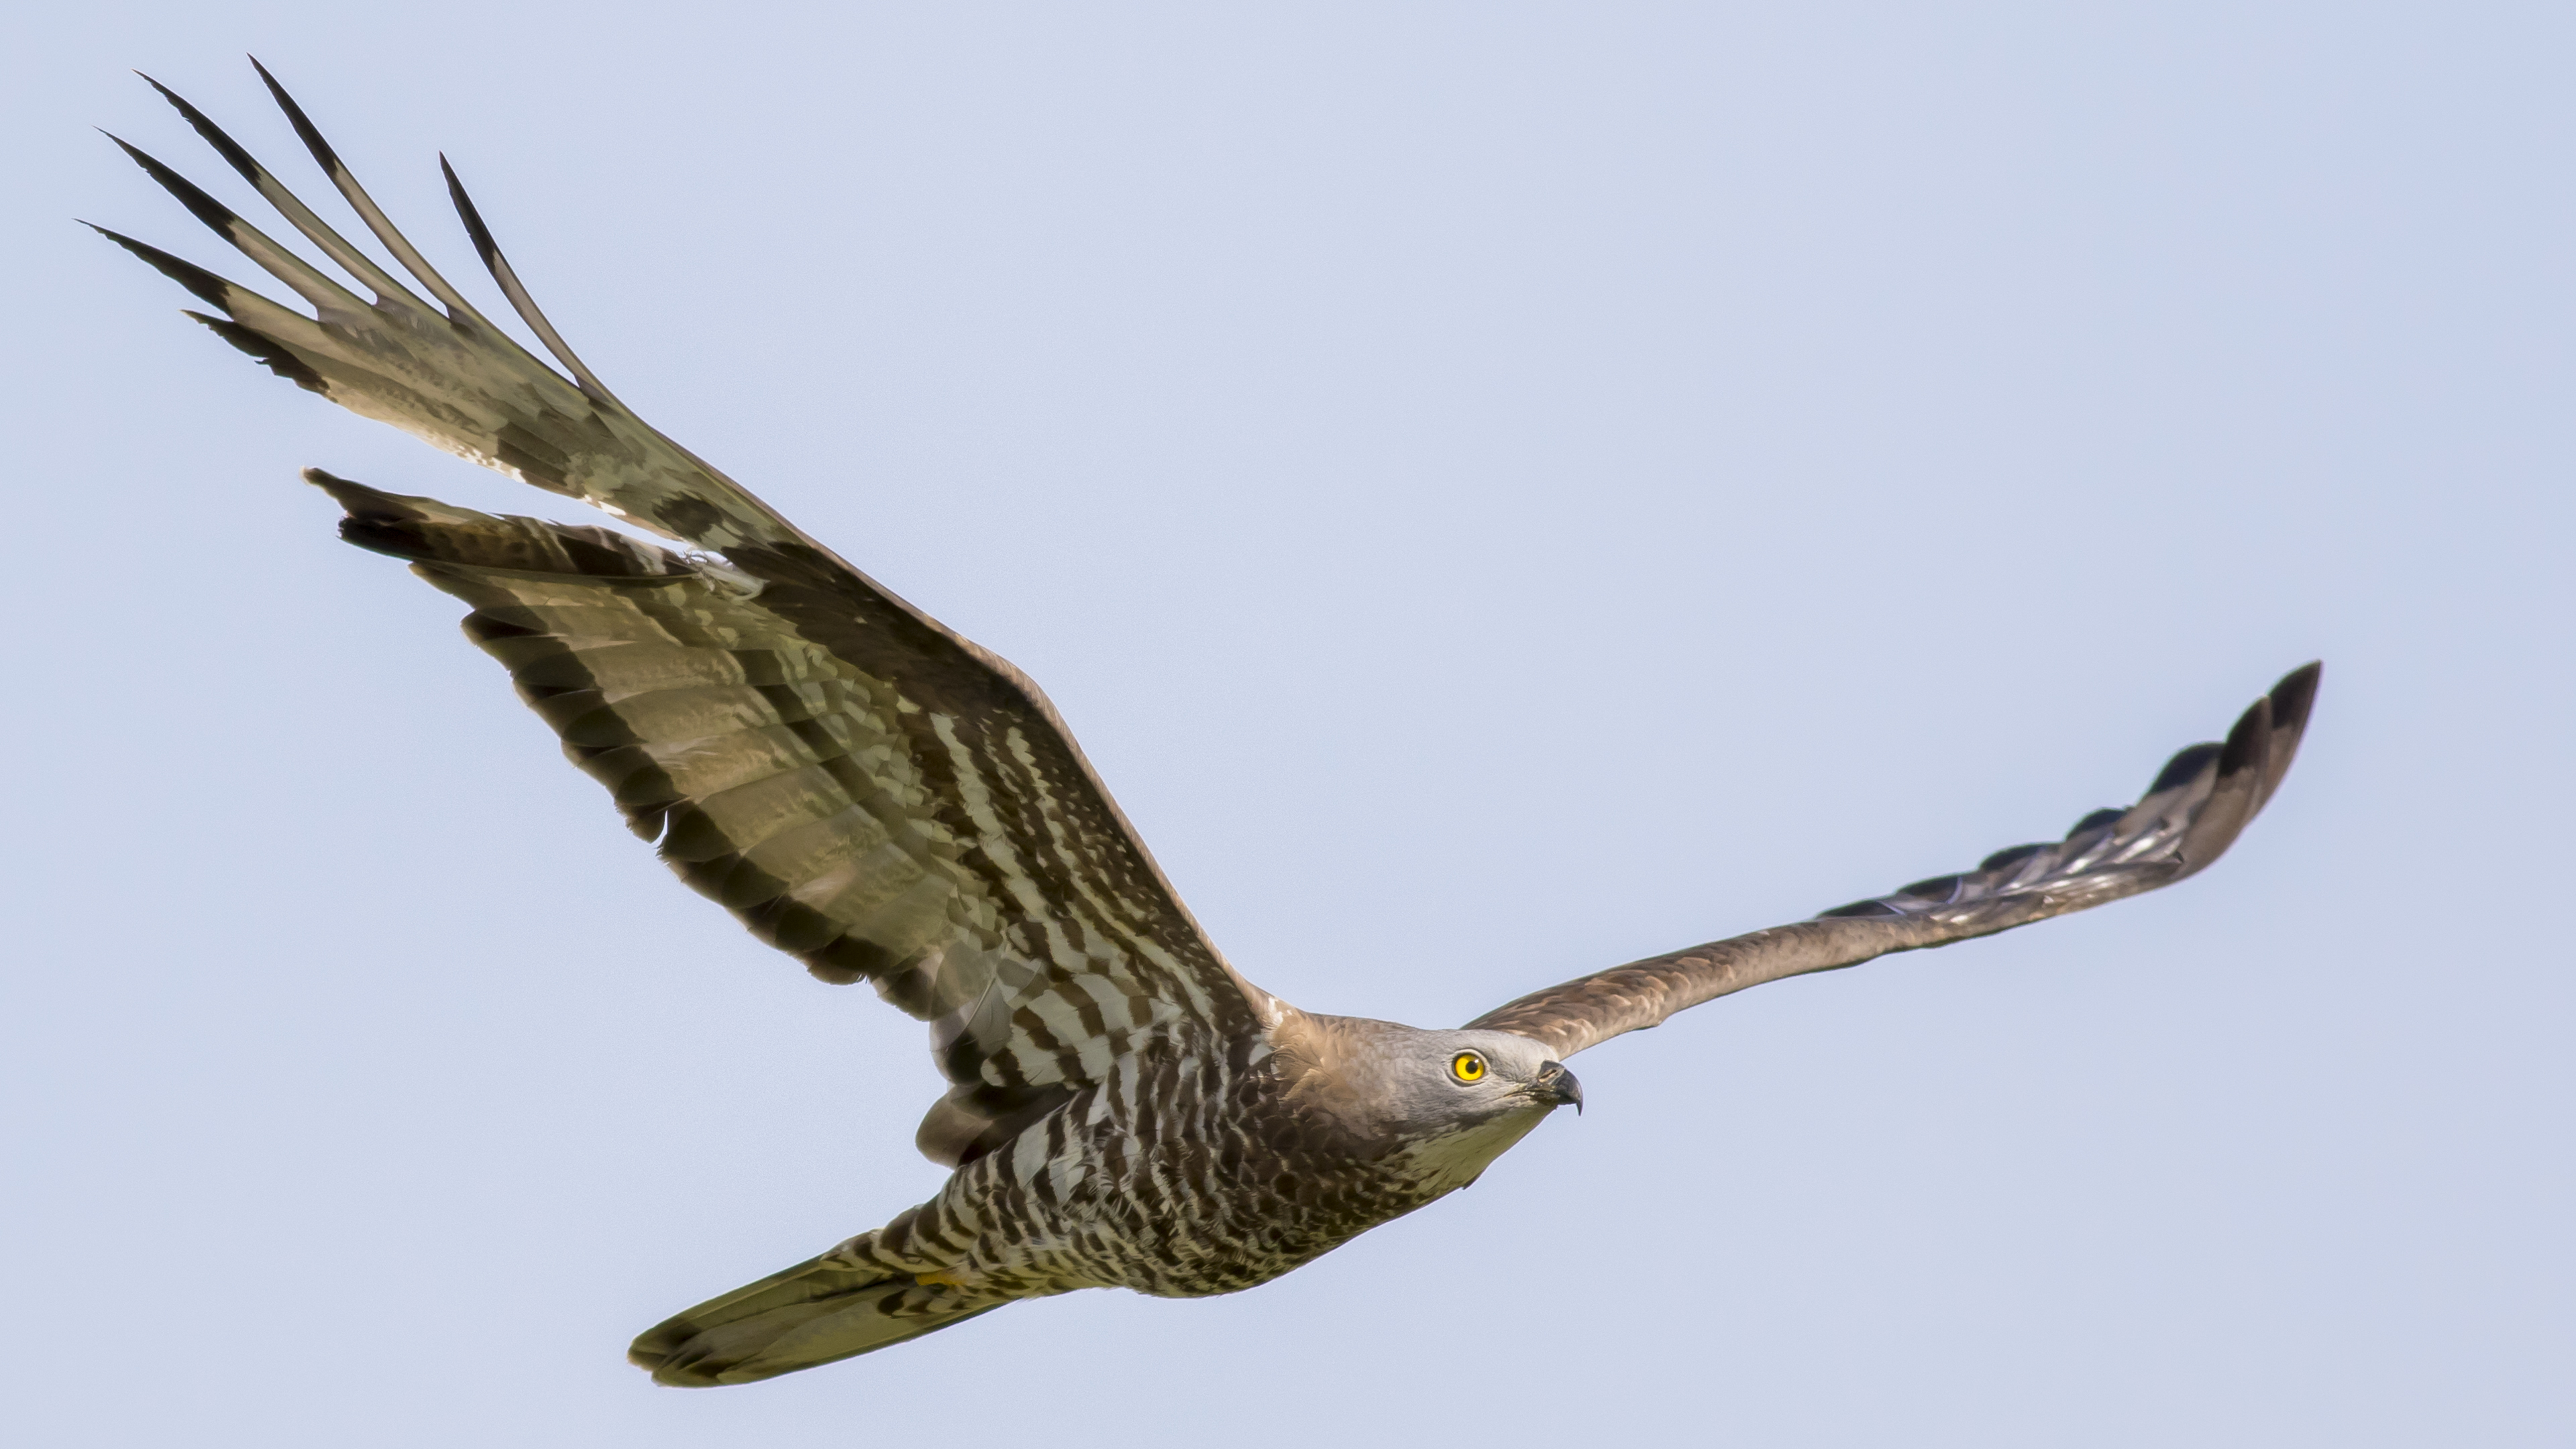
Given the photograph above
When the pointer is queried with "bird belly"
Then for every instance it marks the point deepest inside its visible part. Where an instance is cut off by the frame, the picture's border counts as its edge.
(1174, 1209)
(1170, 1183)
(1213, 1208)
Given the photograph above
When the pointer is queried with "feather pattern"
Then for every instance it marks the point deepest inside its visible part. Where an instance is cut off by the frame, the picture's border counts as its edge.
(876, 817)
(2189, 816)
(887, 801)
(450, 377)
(862, 787)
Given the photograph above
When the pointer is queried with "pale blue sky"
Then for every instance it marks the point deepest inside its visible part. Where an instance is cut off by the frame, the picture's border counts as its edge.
(1498, 490)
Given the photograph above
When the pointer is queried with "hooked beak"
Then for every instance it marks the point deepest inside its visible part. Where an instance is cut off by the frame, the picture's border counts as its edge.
(1557, 1085)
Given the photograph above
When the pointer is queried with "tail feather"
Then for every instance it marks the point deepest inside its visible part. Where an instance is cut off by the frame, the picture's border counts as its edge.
(818, 1312)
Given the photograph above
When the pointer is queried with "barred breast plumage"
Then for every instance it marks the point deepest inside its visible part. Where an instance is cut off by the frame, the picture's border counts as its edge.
(888, 802)
(1185, 1174)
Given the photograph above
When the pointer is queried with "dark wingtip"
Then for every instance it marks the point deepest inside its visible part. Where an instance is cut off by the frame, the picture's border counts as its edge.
(2249, 744)
(2015, 855)
(2107, 815)
(205, 208)
(206, 285)
(2235, 794)
(484, 247)
(303, 124)
(377, 521)
(348, 493)
(2291, 701)
(363, 503)
(2179, 770)
(2295, 695)
(225, 146)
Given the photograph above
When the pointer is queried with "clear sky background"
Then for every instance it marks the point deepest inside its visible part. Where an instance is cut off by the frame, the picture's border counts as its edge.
(1499, 490)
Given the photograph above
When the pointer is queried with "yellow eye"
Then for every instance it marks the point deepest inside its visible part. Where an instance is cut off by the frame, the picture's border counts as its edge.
(1467, 1067)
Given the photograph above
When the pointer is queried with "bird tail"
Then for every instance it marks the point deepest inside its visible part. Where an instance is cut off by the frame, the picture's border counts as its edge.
(820, 1311)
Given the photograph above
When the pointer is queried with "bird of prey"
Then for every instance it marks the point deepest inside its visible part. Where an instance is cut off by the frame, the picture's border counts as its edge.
(888, 802)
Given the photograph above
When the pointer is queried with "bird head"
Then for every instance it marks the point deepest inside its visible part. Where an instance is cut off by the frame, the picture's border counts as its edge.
(1478, 1075)
(1454, 1099)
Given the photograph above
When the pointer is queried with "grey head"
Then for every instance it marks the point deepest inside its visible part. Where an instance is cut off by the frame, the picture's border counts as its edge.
(1449, 1102)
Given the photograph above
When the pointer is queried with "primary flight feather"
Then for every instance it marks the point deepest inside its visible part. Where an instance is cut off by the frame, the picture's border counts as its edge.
(888, 802)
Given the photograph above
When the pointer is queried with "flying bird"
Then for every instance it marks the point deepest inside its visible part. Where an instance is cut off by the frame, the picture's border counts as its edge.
(889, 802)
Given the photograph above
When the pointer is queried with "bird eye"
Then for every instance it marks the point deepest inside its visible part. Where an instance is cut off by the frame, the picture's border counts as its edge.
(1467, 1067)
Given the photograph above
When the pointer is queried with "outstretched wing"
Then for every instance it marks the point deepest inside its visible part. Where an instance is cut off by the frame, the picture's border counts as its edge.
(2190, 815)
(862, 787)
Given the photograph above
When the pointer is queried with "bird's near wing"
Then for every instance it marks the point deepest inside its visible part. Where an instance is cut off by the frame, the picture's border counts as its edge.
(2190, 815)
(862, 787)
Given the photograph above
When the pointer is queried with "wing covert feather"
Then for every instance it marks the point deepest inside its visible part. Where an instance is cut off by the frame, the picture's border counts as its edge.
(2193, 811)
(850, 805)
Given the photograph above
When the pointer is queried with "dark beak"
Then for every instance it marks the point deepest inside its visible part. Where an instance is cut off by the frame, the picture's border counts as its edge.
(1559, 1086)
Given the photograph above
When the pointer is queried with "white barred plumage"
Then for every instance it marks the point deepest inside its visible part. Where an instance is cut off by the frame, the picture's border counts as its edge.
(887, 801)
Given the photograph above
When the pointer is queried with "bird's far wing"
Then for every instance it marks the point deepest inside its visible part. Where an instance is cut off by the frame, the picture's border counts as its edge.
(2190, 815)
(864, 788)
(449, 377)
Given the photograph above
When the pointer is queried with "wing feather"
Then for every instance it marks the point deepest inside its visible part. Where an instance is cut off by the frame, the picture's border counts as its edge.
(452, 378)
(2197, 805)
(804, 794)
(858, 784)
